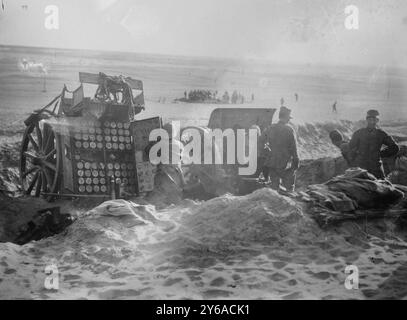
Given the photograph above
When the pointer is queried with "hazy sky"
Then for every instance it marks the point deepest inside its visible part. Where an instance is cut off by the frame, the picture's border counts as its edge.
(298, 31)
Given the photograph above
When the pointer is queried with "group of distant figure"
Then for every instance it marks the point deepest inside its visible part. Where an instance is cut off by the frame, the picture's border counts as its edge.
(282, 101)
(208, 95)
(296, 96)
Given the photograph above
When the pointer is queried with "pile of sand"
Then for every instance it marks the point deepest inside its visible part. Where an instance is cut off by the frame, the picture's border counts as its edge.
(262, 245)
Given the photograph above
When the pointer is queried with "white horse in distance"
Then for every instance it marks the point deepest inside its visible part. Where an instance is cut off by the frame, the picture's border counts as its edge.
(35, 68)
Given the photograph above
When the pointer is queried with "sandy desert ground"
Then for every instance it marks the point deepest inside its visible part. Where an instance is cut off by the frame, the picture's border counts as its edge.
(258, 246)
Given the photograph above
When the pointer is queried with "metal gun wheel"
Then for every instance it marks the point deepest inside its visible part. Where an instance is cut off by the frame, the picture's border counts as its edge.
(40, 160)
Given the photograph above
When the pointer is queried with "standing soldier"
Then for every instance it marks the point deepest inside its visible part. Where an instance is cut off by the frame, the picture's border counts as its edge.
(334, 110)
(282, 161)
(366, 146)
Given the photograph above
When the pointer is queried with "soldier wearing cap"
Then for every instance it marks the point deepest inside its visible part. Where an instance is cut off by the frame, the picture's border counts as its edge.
(366, 145)
(282, 161)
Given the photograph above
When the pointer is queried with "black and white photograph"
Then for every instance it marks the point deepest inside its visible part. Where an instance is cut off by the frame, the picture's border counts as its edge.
(229, 150)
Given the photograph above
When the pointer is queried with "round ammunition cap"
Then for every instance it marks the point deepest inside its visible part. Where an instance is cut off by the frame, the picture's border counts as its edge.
(86, 145)
(82, 189)
(81, 181)
(89, 189)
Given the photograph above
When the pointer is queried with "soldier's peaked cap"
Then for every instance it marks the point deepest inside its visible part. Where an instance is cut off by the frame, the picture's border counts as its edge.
(372, 114)
(284, 112)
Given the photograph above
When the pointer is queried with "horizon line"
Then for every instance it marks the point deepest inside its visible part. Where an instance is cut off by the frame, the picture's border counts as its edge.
(197, 57)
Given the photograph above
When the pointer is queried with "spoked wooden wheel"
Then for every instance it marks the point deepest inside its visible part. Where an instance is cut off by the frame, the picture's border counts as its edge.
(40, 160)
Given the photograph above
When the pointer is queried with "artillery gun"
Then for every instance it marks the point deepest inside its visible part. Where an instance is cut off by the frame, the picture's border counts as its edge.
(79, 146)
(75, 145)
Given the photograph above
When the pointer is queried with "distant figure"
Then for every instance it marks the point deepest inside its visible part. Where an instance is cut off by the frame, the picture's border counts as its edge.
(334, 110)
(24, 63)
(225, 97)
(234, 98)
(185, 95)
(252, 97)
(296, 97)
(282, 102)
(366, 144)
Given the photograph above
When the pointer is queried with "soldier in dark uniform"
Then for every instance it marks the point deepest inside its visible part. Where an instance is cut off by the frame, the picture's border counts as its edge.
(282, 161)
(343, 145)
(366, 144)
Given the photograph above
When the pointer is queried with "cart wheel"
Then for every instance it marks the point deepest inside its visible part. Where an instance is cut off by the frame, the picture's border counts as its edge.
(40, 160)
